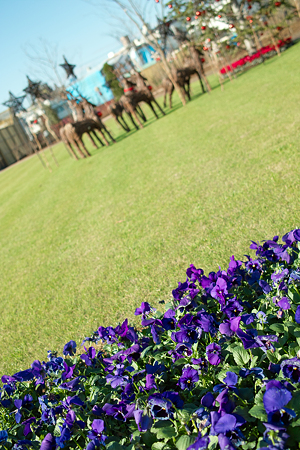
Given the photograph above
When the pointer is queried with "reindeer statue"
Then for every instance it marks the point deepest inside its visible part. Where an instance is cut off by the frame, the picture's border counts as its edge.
(89, 113)
(143, 92)
(117, 110)
(71, 134)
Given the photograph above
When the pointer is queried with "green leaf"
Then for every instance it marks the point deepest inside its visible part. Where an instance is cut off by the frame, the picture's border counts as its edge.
(294, 296)
(148, 438)
(213, 442)
(114, 446)
(184, 442)
(253, 362)
(246, 394)
(259, 412)
(241, 356)
(184, 415)
(166, 433)
(157, 446)
(56, 431)
(295, 402)
(161, 424)
(244, 413)
(272, 357)
(147, 349)
(296, 424)
(277, 327)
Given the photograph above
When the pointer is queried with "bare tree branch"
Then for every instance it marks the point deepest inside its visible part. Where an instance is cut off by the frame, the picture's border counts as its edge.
(132, 11)
(44, 59)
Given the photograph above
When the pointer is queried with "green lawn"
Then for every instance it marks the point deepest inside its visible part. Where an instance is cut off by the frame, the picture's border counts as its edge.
(83, 246)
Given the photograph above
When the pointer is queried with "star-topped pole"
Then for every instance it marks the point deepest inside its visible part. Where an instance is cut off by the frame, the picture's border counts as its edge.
(34, 89)
(69, 68)
(15, 103)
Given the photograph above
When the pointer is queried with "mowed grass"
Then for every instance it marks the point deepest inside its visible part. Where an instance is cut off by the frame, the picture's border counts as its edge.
(83, 246)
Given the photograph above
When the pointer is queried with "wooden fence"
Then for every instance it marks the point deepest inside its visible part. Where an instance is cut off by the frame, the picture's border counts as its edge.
(14, 142)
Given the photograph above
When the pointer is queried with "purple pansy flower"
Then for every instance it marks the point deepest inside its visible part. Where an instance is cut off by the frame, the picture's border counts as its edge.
(89, 356)
(27, 423)
(256, 371)
(68, 373)
(291, 369)
(48, 443)
(266, 288)
(230, 326)
(72, 385)
(297, 314)
(213, 352)
(194, 274)
(201, 443)
(232, 308)
(208, 400)
(219, 291)
(160, 407)
(188, 378)
(229, 382)
(276, 396)
(150, 382)
(284, 303)
(143, 422)
(251, 339)
(144, 309)
(96, 434)
(201, 362)
(70, 348)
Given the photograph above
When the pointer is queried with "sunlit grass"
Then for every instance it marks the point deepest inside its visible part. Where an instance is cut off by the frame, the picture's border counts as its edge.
(83, 246)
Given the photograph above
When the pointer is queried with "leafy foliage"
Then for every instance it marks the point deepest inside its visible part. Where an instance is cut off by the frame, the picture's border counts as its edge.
(207, 373)
(112, 81)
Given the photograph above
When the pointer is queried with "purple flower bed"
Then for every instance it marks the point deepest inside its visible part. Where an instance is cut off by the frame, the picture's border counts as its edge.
(219, 369)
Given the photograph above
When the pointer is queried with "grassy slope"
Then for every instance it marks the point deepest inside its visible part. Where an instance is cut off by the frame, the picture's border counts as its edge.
(86, 244)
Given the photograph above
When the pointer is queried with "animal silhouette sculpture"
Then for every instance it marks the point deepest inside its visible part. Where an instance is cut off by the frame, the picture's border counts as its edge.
(128, 103)
(117, 110)
(182, 78)
(71, 134)
(143, 92)
(89, 113)
(183, 75)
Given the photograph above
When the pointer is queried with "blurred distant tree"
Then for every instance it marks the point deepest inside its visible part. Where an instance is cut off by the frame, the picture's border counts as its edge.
(51, 114)
(112, 81)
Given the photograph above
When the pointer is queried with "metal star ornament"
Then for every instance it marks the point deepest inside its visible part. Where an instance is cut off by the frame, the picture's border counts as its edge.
(15, 103)
(34, 90)
(69, 68)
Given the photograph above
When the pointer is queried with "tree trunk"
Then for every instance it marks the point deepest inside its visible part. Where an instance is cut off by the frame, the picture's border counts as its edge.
(297, 6)
(170, 75)
(198, 65)
(274, 43)
(258, 47)
(215, 60)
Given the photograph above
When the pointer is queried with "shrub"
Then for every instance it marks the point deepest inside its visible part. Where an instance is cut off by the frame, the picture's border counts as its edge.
(219, 369)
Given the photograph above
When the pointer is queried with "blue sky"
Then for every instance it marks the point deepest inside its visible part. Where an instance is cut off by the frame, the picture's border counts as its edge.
(83, 33)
